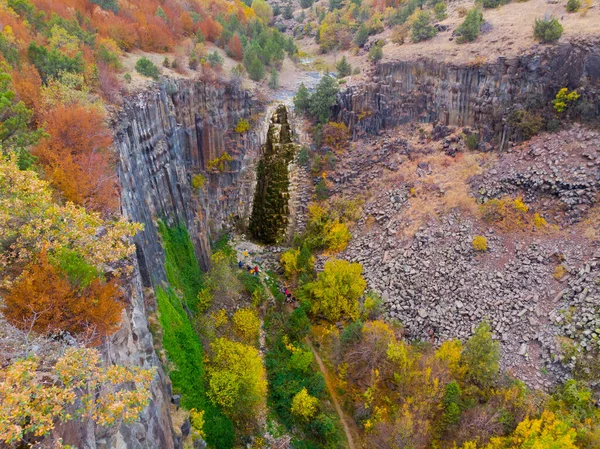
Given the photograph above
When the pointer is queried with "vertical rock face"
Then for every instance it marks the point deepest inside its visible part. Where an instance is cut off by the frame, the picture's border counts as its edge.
(165, 137)
(480, 96)
(270, 212)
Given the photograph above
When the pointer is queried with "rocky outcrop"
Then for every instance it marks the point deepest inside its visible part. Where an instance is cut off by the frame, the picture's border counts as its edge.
(481, 96)
(270, 213)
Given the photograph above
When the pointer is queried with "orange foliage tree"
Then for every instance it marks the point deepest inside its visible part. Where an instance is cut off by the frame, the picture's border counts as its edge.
(235, 48)
(43, 300)
(76, 158)
(211, 29)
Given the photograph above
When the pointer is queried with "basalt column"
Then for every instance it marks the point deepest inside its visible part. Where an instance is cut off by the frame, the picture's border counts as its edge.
(270, 211)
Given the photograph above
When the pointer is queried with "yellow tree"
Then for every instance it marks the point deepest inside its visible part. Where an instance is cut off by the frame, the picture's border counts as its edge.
(304, 406)
(337, 289)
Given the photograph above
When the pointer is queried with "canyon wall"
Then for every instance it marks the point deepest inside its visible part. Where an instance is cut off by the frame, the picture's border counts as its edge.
(481, 95)
(164, 137)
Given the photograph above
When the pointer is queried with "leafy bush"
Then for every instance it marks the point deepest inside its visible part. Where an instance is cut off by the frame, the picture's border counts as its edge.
(480, 243)
(304, 406)
(242, 126)
(547, 30)
(422, 28)
(215, 59)
(246, 325)
(527, 123)
(472, 141)
(563, 99)
(147, 68)
(376, 52)
(440, 11)
(469, 30)
(219, 164)
(334, 295)
(573, 5)
(198, 181)
(50, 63)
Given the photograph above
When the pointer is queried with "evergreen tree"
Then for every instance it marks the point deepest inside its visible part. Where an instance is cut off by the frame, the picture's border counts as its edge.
(302, 99)
(323, 99)
(469, 30)
(343, 67)
(274, 79)
(306, 3)
(161, 13)
(481, 357)
(287, 12)
(422, 28)
(362, 35)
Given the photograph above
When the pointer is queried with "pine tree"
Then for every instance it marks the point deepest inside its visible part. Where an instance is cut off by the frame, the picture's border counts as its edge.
(274, 79)
(302, 99)
(343, 67)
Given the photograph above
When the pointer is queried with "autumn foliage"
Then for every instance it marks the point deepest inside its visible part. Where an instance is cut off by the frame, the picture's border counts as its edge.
(76, 157)
(44, 300)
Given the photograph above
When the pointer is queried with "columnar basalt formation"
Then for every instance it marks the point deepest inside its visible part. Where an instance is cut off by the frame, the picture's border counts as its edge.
(270, 213)
(478, 95)
(165, 137)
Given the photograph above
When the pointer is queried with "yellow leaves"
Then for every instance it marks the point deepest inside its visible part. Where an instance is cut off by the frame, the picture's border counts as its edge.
(546, 432)
(219, 164)
(480, 243)
(336, 291)
(29, 406)
(197, 421)
(336, 236)
(237, 379)
(564, 98)
(304, 406)
(246, 325)
(29, 219)
(220, 318)
(449, 352)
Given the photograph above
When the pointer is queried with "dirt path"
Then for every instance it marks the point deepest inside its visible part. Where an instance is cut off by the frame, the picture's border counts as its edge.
(333, 397)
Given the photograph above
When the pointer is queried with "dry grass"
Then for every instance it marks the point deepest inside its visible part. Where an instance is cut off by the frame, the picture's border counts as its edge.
(445, 189)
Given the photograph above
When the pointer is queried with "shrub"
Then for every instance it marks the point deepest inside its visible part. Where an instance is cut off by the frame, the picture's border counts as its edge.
(469, 30)
(274, 79)
(44, 300)
(472, 141)
(304, 156)
(198, 181)
(527, 123)
(165, 62)
(481, 357)
(563, 99)
(422, 28)
(451, 404)
(376, 52)
(246, 325)
(480, 243)
(573, 5)
(302, 99)
(547, 30)
(336, 236)
(488, 4)
(127, 78)
(242, 126)
(335, 293)
(304, 406)
(219, 164)
(440, 11)
(215, 60)
(324, 97)
(321, 190)
(147, 68)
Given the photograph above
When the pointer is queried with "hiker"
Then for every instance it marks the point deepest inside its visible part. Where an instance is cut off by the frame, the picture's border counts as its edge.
(256, 270)
(240, 264)
(248, 268)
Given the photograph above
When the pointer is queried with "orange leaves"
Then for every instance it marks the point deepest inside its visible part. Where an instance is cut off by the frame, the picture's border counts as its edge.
(211, 29)
(44, 300)
(76, 157)
(235, 48)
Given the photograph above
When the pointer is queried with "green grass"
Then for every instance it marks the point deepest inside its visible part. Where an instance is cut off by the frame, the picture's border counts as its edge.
(180, 340)
(181, 264)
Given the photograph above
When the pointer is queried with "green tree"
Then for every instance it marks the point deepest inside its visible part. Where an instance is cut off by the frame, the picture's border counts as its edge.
(263, 11)
(287, 11)
(335, 293)
(215, 59)
(451, 404)
(324, 97)
(306, 3)
(481, 357)
(547, 30)
(274, 79)
(147, 68)
(237, 380)
(469, 30)
(111, 5)
(362, 35)
(376, 51)
(422, 28)
(343, 67)
(161, 13)
(440, 11)
(573, 5)
(50, 63)
(255, 68)
(302, 99)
